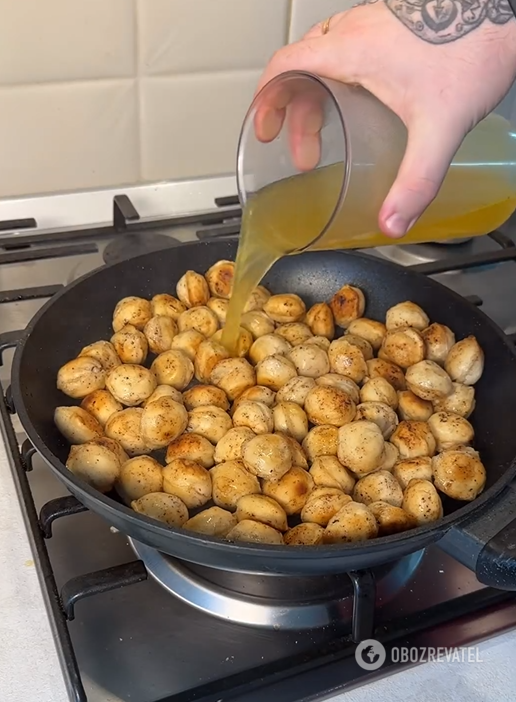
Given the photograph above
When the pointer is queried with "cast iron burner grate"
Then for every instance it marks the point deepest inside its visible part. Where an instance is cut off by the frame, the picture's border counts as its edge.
(130, 245)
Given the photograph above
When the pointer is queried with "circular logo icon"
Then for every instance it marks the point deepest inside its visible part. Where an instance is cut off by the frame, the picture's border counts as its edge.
(370, 654)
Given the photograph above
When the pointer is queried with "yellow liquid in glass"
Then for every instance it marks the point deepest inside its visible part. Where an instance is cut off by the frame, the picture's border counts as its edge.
(475, 198)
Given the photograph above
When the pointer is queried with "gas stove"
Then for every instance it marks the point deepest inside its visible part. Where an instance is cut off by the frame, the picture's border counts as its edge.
(133, 624)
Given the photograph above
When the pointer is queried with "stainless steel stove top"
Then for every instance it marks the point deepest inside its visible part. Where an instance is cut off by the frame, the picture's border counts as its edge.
(139, 643)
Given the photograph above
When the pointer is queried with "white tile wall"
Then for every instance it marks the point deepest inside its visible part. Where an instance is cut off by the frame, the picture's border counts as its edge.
(97, 93)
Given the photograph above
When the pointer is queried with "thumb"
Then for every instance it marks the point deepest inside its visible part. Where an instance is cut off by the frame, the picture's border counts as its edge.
(429, 152)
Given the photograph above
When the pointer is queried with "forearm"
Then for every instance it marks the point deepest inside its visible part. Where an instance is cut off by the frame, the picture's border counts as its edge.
(445, 21)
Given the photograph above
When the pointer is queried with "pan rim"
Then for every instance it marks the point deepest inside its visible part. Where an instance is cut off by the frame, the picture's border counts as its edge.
(433, 531)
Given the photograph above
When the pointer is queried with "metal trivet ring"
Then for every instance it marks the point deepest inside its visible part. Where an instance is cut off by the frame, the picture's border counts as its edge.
(238, 608)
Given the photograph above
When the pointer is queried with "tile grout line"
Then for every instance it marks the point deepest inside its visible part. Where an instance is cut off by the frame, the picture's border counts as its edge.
(138, 92)
(290, 10)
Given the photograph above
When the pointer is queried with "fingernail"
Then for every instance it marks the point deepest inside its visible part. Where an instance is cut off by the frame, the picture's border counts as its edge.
(397, 225)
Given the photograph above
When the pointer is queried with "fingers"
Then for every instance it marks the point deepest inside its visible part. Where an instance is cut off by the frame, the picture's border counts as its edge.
(430, 150)
(305, 116)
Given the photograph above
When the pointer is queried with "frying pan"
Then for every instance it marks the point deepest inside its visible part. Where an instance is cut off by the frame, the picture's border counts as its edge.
(480, 534)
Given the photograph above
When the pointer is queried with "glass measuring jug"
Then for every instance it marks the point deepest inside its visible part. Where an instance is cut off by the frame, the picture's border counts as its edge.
(328, 154)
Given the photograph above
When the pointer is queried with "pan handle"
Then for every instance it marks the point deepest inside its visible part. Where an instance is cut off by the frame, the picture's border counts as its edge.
(487, 544)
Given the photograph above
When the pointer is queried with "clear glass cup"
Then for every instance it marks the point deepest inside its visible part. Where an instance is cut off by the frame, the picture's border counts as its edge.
(327, 154)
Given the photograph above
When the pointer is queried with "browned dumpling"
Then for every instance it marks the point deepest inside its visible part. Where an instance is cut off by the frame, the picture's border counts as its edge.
(360, 343)
(285, 308)
(81, 376)
(328, 471)
(205, 395)
(254, 415)
(130, 345)
(294, 332)
(125, 427)
(162, 507)
(404, 347)
(422, 502)
(95, 464)
(231, 446)
(347, 305)
(167, 305)
(361, 447)
(213, 521)
(188, 480)
(131, 310)
(379, 390)
(465, 361)
(173, 368)
(320, 320)
(429, 381)
(321, 441)
(380, 486)
(257, 323)
(267, 456)
(220, 306)
(310, 360)
(131, 384)
(139, 476)
(77, 425)
(328, 405)
(159, 332)
(450, 430)
(306, 534)
(391, 519)
(439, 340)
(192, 289)
(413, 439)
(257, 299)
(459, 473)
(220, 278)
(209, 353)
(322, 504)
(353, 522)
(379, 413)
(268, 345)
(244, 342)
(209, 421)
(419, 468)
(104, 352)
(164, 391)
(406, 314)
(291, 490)
(347, 359)
(101, 404)
(261, 508)
(201, 319)
(188, 342)
(162, 422)
(378, 367)
(254, 532)
(231, 481)
(193, 447)
(369, 329)
(295, 390)
(289, 418)
(275, 371)
(234, 376)
(411, 406)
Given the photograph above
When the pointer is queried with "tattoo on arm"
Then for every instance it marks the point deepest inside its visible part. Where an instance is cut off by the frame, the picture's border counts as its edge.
(444, 21)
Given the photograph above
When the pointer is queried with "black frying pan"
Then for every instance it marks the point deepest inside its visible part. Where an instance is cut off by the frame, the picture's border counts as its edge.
(82, 312)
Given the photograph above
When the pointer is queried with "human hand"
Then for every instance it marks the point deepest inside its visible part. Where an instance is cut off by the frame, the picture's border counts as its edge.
(440, 65)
